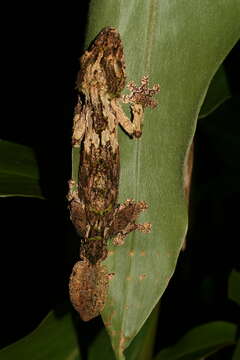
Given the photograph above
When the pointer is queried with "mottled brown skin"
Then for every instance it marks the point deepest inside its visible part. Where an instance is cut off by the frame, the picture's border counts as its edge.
(93, 201)
(88, 288)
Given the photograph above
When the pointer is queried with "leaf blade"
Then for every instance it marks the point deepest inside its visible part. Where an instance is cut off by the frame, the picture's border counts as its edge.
(234, 286)
(161, 35)
(201, 342)
(19, 175)
(54, 339)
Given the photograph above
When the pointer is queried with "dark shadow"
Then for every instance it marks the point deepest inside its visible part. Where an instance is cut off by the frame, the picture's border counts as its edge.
(231, 66)
(42, 65)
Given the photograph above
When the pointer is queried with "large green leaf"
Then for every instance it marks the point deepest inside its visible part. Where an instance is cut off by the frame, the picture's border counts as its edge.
(201, 342)
(234, 286)
(180, 45)
(19, 174)
(53, 339)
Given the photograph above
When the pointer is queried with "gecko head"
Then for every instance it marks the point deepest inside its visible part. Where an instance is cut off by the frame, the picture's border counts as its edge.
(103, 65)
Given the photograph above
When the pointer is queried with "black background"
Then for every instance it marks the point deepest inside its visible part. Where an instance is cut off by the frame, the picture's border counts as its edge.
(40, 56)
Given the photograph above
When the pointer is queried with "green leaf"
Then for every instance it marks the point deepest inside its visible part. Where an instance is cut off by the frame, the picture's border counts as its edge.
(218, 92)
(101, 345)
(236, 355)
(53, 339)
(201, 342)
(234, 286)
(19, 174)
(140, 349)
(180, 45)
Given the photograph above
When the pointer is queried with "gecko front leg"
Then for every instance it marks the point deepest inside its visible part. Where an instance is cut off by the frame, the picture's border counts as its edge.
(139, 98)
(127, 213)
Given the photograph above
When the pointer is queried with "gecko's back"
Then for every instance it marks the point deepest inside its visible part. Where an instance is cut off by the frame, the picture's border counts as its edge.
(93, 199)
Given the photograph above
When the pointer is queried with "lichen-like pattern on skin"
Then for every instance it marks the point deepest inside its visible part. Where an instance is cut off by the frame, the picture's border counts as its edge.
(88, 288)
(93, 200)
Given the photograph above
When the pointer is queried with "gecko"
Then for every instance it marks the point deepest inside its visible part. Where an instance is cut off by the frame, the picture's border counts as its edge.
(94, 210)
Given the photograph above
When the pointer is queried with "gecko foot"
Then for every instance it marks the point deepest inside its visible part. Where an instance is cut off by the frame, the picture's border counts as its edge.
(144, 228)
(119, 240)
(142, 94)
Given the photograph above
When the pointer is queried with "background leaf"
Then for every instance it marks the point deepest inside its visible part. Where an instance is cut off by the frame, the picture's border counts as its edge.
(236, 354)
(180, 45)
(53, 339)
(217, 93)
(234, 286)
(101, 345)
(201, 342)
(19, 174)
(225, 144)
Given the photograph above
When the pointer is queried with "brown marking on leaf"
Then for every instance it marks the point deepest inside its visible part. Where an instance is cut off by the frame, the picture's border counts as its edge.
(187, 173)
(187, 179)
(131, 253)
(128, 278)
(142, 276)
(122, 343)
(167, 278)
(142, 253)
(113, 332)
(110, 316)
(110, 302)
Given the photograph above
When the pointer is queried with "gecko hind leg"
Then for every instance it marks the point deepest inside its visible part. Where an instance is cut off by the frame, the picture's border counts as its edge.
(124, 220)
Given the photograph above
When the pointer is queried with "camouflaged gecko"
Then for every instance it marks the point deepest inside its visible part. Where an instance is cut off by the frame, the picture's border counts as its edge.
(93, 201)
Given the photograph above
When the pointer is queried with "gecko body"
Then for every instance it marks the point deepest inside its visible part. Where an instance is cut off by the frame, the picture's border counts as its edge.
(93, 205)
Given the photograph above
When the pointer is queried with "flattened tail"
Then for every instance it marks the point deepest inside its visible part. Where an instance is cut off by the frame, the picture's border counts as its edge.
(88, 288)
